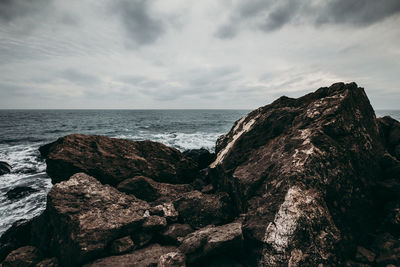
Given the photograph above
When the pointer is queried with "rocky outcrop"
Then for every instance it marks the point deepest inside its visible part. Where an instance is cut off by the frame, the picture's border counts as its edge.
(4, 168)
(303, 170)
(312, 181)
(113, 160)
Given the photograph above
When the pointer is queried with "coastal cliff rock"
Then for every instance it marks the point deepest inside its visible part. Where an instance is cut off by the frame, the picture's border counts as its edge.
(113, 160)
(303, 170)
(312, 181)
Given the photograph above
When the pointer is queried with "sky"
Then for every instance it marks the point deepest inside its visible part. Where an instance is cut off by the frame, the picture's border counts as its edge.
(179, 54)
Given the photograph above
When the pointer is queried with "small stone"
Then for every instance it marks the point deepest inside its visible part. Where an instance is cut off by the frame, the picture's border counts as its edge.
(154, 223)
(122, 245)
(52, 262)
(175, 232)
(172, 259)
(365, 255)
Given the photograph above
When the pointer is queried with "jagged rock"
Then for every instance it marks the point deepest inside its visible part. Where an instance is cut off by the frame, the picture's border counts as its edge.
(149, 256)
(20, 192)
(199, 209)
(166, 210)
(4, 168)
(122, 245)
(303, 170)
(154, 223)
(202, 156)
(149, 190)
(211, 240)
(52, 262)
(175, 233)
(113, 160)
(23, 256)
(16, 236)
(83, 217)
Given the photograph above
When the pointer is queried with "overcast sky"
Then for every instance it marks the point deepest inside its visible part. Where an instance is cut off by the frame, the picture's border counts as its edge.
(194, 54)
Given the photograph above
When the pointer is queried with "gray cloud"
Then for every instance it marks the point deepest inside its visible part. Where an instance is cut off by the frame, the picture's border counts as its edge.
(272, 15)
(13, 9)
(78, 77)
(140, 26)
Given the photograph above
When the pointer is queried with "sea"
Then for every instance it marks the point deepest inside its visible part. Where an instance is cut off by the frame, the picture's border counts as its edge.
(22, 132)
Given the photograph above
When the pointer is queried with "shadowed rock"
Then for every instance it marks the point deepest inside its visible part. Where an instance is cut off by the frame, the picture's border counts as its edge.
(24, 256)
(113, 160)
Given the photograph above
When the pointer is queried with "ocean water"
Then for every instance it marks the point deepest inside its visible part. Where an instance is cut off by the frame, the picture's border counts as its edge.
(23, 131)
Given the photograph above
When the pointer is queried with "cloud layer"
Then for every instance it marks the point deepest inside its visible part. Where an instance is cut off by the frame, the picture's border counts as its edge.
(202, 54)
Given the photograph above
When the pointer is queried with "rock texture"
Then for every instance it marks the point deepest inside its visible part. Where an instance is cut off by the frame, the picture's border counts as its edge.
(20, 192)
(113, 160)
(313, 181)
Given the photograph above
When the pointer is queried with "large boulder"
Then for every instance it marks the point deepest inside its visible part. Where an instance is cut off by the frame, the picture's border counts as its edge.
(113, 160)
(83, 218)
(302, 169)
(16, 236)
(23, 256)
(4, 168)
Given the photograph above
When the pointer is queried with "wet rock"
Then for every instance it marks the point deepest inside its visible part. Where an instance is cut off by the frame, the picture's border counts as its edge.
(4, 167)
(83, 217)
(113, 160)
(213, 240)
(149, 256)
(149, 190)
(199, 210)
(52, 262)
(365, 255)
(201, 156)
(122, 245)
(303, 170)
(20, 192)
(175, 233)
(23, 256)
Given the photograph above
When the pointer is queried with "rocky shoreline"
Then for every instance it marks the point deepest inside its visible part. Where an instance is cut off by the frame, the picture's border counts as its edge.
(312, 181)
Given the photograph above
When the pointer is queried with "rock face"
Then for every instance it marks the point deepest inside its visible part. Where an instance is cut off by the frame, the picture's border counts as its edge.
(302, 169)
(313, 181)
(4, 167)
(83, 217)
(113, 160)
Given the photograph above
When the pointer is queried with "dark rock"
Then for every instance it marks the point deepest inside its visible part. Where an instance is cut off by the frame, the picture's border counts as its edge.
(154, 223)
(303, 171)
(149, 256)
(389, 130)
(199, 209)
(113, 160)
(175, 233)
(365, 255)
(83, 217)
(166, 210)
(16, 236)
(52, 262)
(24, 256)
(122, 245)
(390, 166)
(4, 168)
(208, 189)
(149, 190)
(202, 156)
(212, 240)
(20, 192)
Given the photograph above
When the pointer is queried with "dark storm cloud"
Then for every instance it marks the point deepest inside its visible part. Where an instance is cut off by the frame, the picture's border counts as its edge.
(14, 9)
(272, 15)
(139, 23)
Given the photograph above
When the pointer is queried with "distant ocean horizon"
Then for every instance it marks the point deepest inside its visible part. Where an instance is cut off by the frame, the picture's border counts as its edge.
(23, 131)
